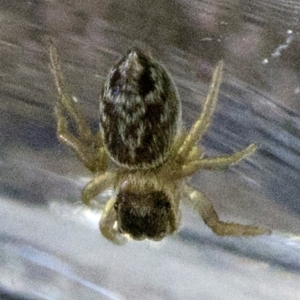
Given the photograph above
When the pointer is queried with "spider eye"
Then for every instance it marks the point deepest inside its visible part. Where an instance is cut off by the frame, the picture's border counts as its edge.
(144, 215)
(116, 206)
(116, 91)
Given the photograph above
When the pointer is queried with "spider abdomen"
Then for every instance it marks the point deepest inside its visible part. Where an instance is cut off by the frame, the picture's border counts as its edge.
(139, 112)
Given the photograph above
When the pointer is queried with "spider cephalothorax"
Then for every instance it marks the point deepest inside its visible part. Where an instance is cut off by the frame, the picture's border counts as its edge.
(146, 208)
(144, 215)
(151, 155)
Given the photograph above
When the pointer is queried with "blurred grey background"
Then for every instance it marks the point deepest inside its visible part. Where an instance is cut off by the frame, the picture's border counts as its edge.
(50, 246)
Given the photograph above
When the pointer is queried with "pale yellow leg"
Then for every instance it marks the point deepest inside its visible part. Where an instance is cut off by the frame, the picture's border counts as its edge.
(204, 120)
(107, 222)
(97, 185)
(64, 135)
(216, 163)
(211, 218)
(67, 100)
(88, 146)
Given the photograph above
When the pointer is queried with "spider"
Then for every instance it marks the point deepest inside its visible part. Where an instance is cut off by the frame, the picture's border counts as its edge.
(142, 150)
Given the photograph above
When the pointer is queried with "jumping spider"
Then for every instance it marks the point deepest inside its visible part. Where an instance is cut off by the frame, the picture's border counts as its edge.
(142, 150)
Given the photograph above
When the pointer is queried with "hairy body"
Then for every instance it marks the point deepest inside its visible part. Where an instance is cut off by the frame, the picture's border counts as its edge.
(141, 134)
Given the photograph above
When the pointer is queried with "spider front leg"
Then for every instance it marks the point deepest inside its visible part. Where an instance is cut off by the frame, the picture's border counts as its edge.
(88, 146)
(108, 218)
(211, 218)
(107, 223)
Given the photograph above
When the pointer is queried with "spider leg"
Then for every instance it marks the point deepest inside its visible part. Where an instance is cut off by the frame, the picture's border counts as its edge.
(97, 185)
(70, 140)
(66, 99)
(107, 222)
(216, 163)
(211, 218)
(204, 120)
(87, 146)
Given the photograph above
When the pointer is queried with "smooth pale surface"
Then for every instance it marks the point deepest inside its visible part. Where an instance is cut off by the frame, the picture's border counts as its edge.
(50, 246)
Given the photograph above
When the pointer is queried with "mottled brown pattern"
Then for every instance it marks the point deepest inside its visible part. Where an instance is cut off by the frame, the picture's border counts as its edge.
(139, 111)
(139, 117)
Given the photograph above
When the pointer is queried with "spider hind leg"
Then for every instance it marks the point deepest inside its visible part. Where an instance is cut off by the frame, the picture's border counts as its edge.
(204, 120)
(87, 146)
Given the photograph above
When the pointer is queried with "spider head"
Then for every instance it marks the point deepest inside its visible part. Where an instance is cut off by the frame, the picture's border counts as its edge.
(144, 214)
